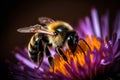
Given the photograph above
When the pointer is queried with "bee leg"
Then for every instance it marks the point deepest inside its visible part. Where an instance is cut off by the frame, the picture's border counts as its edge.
(58, 49)
(40, 54)
(72, 47)
(51, 62)
(85, 43)
(81, 49)
(72, 41)
(50, 59)
(40, 59)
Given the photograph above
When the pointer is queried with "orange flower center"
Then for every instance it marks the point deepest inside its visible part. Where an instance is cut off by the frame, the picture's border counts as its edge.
(78, 58)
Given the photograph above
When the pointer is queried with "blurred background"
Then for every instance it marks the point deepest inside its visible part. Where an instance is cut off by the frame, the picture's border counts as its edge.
(17, 13)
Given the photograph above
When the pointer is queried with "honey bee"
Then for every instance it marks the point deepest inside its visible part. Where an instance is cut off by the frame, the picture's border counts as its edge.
(50, 34)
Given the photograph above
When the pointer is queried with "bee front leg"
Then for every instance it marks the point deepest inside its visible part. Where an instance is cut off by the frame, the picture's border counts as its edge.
(59, 50)
(85, 43)
(72, 41)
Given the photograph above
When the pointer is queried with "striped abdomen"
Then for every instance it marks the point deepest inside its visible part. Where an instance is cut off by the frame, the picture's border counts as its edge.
(35, 48)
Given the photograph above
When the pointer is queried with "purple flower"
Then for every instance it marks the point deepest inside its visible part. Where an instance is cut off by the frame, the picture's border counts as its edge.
(99, 63)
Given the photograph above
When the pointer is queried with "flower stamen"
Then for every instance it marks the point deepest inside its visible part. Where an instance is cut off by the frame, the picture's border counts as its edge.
(79, 56)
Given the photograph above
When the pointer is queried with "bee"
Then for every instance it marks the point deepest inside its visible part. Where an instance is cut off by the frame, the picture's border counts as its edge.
(50, 34)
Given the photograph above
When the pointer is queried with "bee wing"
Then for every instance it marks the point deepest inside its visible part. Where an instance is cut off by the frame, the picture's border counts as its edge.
(35, 29)
(31, 29)
(45, 20)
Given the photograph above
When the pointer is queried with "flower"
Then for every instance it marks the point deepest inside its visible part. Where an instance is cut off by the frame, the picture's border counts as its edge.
(100, 62)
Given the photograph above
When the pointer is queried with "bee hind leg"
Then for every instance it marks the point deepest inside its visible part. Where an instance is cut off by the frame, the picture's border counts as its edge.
(40, 59)
(40, 54)
(50, 58)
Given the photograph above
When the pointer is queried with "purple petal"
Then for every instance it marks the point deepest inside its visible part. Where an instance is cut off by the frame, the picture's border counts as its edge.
(114, 38)
(88, 29)
(96, 25)
(116, 49)
(26, 61)
(117, 25)
(81, 29)
(105, 25)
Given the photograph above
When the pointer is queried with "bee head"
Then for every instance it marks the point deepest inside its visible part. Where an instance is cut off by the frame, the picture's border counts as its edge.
(59, 28)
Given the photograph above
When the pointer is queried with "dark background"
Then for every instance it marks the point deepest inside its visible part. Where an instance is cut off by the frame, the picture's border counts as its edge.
(17, 13)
